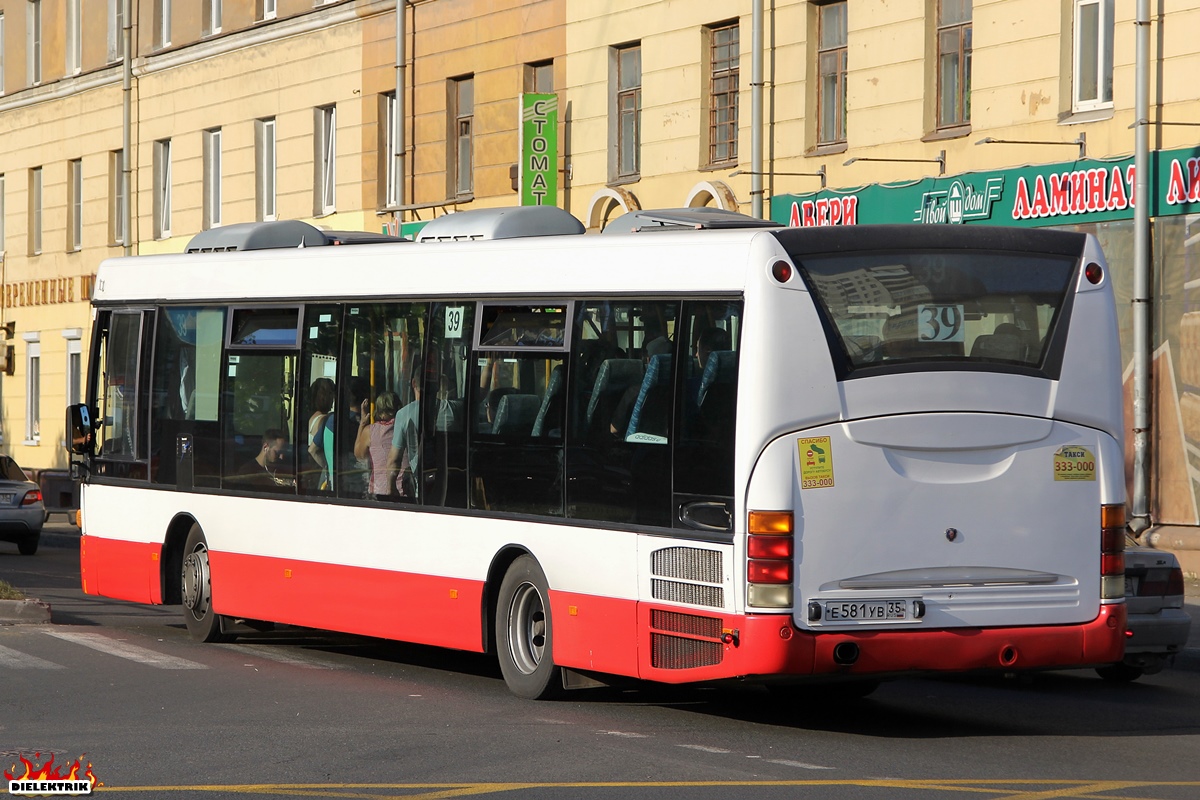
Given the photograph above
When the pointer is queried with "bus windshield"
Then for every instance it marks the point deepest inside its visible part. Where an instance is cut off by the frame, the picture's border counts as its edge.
(889, 308)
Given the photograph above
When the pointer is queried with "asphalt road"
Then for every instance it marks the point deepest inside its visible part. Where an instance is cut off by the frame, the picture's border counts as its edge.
(300, 713)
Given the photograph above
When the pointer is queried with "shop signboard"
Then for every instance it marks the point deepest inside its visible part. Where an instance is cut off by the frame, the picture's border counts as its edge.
(1072, 192)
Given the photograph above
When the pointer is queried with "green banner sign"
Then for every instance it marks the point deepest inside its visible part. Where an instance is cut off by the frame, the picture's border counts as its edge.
(538, 170)
(1072, 192)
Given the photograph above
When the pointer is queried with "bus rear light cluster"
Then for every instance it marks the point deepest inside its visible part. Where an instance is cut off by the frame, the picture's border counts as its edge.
(1112, 551)
(770, 548)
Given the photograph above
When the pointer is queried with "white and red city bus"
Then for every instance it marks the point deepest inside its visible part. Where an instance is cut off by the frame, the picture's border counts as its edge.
(674, 454)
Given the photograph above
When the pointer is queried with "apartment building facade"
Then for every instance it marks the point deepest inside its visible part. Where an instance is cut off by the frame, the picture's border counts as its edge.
(380, 114)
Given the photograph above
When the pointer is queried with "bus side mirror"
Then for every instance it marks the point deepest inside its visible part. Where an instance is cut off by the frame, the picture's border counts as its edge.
(80, 436)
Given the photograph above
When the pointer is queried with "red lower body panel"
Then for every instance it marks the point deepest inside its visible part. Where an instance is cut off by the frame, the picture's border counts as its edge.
(599, 634)
(119, 569)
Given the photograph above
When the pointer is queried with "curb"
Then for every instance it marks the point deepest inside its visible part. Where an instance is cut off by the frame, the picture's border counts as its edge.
(24, 612)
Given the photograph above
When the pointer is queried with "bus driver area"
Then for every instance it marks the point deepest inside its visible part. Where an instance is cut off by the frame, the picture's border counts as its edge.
(708, 447)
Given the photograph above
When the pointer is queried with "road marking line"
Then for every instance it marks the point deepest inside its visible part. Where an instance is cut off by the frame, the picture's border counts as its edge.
(15, 659)
(704, 748)
(625, 734)
(799, 764)
(281, 657)
(142, 655)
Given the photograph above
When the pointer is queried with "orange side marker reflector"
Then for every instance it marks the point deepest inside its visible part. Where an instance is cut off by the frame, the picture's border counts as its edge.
(572, 611)
(154, 556)
(287, 573)
(454, 594)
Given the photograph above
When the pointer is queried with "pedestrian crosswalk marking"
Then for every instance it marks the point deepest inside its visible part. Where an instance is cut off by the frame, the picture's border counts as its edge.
(15, 659)
(132, 652)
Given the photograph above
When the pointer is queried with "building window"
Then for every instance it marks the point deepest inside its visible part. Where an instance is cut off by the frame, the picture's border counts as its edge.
(266, 9)
(629, 110)
(539, 77)
(74, 364)
(1093, 74)
(75, 205)
(33, 388)
(117, 195)
(33, 47)
(116, 29)
(35, 211)
(389, 178)
(325, 159)
(723, 71)
(212, 17)
(1, 214)
(831, 70)
(212, 178)
(462, 121)
(162, 189)
(264, 169)
(954, 63)
(74, 38)
(162, 23)
(2, 71)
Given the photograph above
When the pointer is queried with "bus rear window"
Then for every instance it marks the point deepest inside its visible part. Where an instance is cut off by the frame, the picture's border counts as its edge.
(922, 308)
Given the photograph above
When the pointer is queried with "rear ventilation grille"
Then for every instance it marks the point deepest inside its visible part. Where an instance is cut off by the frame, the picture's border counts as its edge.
(690, 593)
(687, 563)
(674, 652)
(690, 624)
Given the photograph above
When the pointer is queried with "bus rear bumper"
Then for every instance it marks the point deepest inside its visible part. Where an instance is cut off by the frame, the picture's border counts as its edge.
(770, 646)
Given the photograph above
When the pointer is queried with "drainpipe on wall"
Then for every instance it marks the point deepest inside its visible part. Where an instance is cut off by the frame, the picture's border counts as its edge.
(398, 141)
(1142, 302)
(126, 122)
(756, 110)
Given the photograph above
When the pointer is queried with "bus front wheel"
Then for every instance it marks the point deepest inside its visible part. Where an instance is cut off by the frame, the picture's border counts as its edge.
(524, 633)
(196, 586)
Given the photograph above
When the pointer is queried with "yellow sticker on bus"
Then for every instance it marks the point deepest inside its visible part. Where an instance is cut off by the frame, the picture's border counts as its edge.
(816, 462)
(1074, 463)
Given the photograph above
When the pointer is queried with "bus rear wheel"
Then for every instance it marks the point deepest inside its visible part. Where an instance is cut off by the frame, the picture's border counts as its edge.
(196, 588)
(525, 633)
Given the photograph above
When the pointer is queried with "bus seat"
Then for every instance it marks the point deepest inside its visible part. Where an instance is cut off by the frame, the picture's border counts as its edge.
(615, 376)
(1004, 343)
(650, 410)
(719, 371)
(544, 415)
(516, 414)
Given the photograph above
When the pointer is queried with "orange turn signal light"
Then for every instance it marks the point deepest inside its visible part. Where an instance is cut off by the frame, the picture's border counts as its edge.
(771, 522)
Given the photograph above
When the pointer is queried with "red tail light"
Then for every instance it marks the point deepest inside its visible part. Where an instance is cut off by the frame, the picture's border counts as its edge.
(769, 571)
(769, 547)
(31, 497)
(1112, 564)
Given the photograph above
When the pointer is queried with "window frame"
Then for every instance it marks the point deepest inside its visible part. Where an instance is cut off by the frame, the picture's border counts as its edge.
(74, 205)
(116, 26)
(461, 140)
(840, 53)
(325, 160)
(389, 195)
(3, 70)
(265, 169)
(74, 35)
(162, 27)
(36, 198)
(1105, 30)
(33, 388)
(212, 178)
(211, 13)
(33, 42)
(731, 74)
(117, 194)
(162, 189)
(627, 106)
(962, 100)
(74, 365)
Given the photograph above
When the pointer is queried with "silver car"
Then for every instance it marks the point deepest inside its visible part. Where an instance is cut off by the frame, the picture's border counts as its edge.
(22, 511)
(1158, 626)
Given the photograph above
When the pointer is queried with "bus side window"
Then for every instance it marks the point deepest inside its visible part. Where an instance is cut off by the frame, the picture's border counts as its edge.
(186, 397)
(442, 472)
(618, 458)
(121, 447)
(703, 456)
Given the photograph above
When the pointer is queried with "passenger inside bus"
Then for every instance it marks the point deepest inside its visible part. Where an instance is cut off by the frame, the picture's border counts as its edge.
(373, 445)
(323, 393)
(403, 456)
(265, 470)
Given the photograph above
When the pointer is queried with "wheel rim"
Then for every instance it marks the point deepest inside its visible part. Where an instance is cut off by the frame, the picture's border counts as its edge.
(195, 588)
(527, 628)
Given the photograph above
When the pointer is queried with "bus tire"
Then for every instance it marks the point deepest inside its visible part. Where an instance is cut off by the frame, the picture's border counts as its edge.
(196, 589)
(524, 632)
